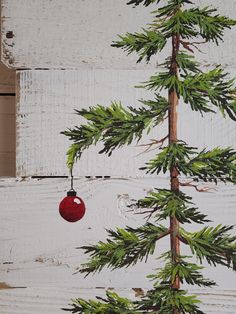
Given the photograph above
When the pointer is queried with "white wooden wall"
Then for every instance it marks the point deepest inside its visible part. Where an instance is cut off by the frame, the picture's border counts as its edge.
(62, 52)
(7, 121)
(45, 108)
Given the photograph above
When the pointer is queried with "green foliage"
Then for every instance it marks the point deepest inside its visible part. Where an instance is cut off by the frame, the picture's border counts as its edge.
(186, 271)
(148, 2)
(213, 244)
(170, 20)
(115, 126)
(174, 155)
(214, 165)
(176, 21)
(145, 44)
(144, 2)
(167, 203)
(113, 304)
(164, 80)
(189, 273)
(163, 300)
(200, 90)
(160, 300)
(193, 22)
(123, 248)
(186, 63)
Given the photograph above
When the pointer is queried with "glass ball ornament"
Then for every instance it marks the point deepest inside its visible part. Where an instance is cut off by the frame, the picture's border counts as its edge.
(72, 207)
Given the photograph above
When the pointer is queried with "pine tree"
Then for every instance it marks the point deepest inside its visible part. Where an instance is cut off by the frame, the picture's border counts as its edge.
(178, 22)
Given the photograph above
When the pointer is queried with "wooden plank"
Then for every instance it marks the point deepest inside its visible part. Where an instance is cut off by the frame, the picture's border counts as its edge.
(7, 122)
(7, 105)
(7, 80)
(7, 136)
(43, 258)
(53, 34)
(7, 76)
(46, 104)
(35, 300)
(7, 164)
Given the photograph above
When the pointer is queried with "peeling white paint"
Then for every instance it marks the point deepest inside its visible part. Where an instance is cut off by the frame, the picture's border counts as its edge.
(78, 34)
(46, 104)
(38, 248)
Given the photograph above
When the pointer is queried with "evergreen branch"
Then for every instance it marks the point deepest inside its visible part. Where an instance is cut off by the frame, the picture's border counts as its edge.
(186, 63)
(214, 165)
(165, 203)
(144, 2)
(186, 272)
(194, 22)
(163, 300)
(113, 304)
(123, 248)
(212, 87)
(176, 155)
(213, 244)
(144, 44)
(199, 89)
(115, 126)
(163, 80)
(172, 8)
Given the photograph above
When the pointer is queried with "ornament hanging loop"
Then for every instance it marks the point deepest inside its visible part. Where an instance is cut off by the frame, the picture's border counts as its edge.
(71, 192)
(71, 180)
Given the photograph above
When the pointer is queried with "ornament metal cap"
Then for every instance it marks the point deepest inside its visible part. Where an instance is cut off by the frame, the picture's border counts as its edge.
(71, 193)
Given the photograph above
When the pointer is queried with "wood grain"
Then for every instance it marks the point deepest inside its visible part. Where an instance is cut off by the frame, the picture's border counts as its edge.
(7, 136)
(38, 254)
(38, 248)
(55, 34)
(46, 106)
(50, 300)
(7, 80)
(7, 121)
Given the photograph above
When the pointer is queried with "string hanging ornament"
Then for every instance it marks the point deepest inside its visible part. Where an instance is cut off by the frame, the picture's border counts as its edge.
(72, 207)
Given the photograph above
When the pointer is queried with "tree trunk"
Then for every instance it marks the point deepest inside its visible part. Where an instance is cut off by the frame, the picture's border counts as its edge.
(174, 181)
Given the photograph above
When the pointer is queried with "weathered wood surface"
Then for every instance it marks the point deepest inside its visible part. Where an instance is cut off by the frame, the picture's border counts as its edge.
(78, 34)
(46, 104)
(7, 76)
(7, 79)
(7, 122)
(7, 136)
(37, 247)
(50, 300)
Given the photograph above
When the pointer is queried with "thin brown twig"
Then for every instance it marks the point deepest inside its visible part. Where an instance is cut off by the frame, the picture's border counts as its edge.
(182, 239)
(163, 234)
(198, 42)
(187, 44)
(196, 187)
(149, 212)
(153, 142)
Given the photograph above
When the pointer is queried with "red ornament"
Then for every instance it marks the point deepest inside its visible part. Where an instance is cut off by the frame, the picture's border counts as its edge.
(72, 208)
